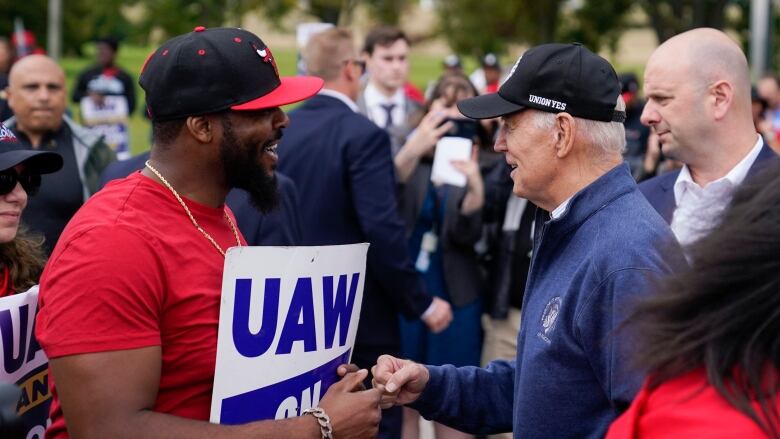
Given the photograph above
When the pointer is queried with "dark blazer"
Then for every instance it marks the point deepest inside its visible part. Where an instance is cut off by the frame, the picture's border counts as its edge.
(281, 226)
(123, 168)
(459, 233)
(341, 163)
(659, 190)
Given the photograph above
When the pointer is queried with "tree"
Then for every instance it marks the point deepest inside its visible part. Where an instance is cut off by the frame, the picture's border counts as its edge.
(670, 17)
(83, 20)
(386, 11)
(476, 27)
(597, 24)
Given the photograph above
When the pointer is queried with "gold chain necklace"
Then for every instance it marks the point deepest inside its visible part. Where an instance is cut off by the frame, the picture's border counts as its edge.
(189, 214)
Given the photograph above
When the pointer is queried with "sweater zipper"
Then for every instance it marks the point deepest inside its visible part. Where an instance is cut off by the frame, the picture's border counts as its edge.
(534, 257)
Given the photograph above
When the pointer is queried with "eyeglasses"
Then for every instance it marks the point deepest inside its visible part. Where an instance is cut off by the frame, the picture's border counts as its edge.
(8, 179)
(358, 62)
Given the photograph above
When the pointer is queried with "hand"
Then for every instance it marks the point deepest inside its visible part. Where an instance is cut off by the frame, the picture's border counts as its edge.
(401, 381)
(439, 317)
(470, 168)
(344, 369)
(98, 98)
(427, 133)
(475, 194)
(353, 413)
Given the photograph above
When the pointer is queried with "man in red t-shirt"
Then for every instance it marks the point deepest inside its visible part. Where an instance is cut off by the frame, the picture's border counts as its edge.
(129, 303)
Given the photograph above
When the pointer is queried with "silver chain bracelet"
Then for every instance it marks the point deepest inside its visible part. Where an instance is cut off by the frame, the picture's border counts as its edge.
(325, 428)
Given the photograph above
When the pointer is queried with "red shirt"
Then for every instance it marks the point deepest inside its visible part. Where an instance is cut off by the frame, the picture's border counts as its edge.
(131, 271)
(684, 407)
(6, 289)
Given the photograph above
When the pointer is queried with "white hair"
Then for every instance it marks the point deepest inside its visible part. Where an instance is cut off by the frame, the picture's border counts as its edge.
(608, 137)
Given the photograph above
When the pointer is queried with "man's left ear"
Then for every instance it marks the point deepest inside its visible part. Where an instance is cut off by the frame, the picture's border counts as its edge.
(201, 128)
(721, 97)
(565, 130)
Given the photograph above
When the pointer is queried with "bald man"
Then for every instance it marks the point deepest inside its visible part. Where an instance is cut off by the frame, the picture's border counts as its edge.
(36, 94)
(698, 103)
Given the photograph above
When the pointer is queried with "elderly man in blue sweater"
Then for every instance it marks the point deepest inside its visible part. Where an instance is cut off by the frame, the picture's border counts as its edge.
(598, 247)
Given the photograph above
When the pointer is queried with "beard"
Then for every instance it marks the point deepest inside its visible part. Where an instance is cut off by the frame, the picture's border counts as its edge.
(239, 161)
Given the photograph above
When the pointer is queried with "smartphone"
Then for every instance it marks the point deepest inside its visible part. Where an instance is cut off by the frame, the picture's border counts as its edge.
(466, 128)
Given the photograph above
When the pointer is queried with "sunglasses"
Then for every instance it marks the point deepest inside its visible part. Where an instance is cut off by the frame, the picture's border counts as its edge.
(8, 179)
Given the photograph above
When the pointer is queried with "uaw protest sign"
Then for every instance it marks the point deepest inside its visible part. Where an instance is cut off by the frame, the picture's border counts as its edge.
(24, 362)
(287, 320)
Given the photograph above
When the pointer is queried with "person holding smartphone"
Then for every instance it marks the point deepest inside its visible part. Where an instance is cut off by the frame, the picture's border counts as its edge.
(443, 222)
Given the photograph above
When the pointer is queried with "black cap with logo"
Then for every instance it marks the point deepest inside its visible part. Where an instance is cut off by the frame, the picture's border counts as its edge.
(210, 70)
(13, 152)
(554, 78)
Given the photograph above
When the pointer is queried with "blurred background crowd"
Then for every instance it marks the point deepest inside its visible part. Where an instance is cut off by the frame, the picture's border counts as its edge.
(414, 60)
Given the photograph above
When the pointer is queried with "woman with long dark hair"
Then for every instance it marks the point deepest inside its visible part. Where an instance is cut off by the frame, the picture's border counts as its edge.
(443, 222)
(21, 254)
(710, 338)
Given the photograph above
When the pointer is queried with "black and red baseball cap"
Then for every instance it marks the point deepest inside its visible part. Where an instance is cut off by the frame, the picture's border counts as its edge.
(554, 78)
(13, 152)
(211, 70)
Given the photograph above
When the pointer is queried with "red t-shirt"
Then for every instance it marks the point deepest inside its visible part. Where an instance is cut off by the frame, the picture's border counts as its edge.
(684, 407)
(5, 283)
(131, 271)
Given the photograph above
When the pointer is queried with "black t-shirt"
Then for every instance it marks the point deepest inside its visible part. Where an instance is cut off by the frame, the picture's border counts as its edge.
(5, 110)
(62, 192)
(111, 81)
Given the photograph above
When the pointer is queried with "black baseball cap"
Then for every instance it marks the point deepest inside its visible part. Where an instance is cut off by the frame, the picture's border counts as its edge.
(628, 83)
(211, 70)
(12, 153)
(554, 78)
(491, 60)
(452, 61)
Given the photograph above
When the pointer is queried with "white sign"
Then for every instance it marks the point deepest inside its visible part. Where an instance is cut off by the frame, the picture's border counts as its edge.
(23, 361)
(287, 320)
(109, 117)
(447, 150)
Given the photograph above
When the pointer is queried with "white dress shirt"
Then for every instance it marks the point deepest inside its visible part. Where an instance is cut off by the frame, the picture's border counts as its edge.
(374, 101)
(698, 208)
(558, 211)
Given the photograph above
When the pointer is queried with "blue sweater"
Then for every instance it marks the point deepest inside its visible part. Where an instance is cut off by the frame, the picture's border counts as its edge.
(572, 376)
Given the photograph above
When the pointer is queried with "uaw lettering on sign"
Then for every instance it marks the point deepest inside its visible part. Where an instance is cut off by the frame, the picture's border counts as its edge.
(547, 102)
(288, 319)
(24, 362)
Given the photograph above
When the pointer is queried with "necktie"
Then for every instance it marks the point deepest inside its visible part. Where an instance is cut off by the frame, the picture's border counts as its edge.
(389, 110)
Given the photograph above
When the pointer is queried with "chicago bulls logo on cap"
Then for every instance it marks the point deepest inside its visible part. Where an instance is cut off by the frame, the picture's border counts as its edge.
(267, 56)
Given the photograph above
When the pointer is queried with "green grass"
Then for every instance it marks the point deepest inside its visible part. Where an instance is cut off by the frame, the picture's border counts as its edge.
(424, 68)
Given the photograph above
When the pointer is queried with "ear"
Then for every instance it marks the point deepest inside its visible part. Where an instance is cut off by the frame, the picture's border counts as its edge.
(201, 128)
(9, 96)
(348, 72)
(721, 97)
(565, 130)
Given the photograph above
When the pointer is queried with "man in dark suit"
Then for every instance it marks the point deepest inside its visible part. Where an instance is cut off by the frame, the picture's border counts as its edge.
(385, 99)
(341, 163)
(698, 103)
(280, 226)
